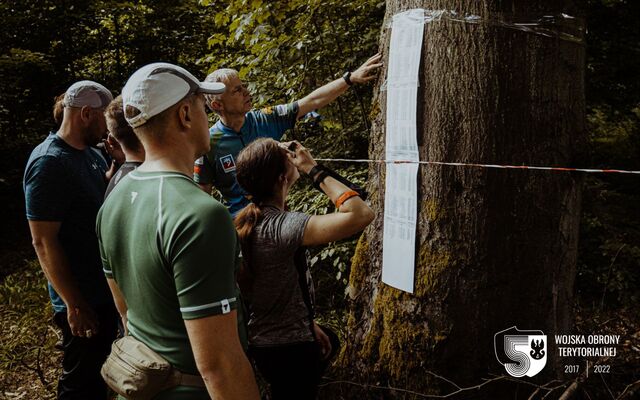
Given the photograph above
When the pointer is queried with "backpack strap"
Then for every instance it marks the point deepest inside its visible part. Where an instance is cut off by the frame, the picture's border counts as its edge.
(300, 261)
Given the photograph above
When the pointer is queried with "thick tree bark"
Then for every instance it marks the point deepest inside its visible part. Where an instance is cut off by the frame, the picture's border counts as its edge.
(495, 248)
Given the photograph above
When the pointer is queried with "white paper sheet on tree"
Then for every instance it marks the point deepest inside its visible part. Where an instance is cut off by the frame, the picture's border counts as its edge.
(400, 199)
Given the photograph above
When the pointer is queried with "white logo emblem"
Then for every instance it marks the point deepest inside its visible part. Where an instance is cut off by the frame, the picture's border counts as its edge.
(225, 306)
(133, 196)
(521, 352)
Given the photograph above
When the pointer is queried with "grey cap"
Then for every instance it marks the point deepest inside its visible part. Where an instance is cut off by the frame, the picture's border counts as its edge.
(87, 93)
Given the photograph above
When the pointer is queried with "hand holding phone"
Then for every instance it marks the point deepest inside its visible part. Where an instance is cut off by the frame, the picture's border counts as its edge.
(299, 156)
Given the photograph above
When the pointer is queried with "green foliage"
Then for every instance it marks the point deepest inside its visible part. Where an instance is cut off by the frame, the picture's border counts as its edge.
(46, 45)
(608, 276)
(613, 90)
(613, 56)
(27, 335)
(284, 50)
(26, 73)
(614, 137)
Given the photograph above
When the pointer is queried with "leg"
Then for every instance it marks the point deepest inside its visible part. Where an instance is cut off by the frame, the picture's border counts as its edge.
(291, 370)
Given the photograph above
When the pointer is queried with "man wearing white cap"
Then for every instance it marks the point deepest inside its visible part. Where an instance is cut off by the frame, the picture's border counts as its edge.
(64, 186)
(156, 246)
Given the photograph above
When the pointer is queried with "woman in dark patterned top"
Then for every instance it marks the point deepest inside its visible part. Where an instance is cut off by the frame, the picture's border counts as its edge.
(287, 346)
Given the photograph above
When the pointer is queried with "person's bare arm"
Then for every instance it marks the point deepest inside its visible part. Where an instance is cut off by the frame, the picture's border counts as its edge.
(352, 216)
(220, 358)
(121, 304)
(329, 92)
(323, 340)
(55, 266)
(321, 96)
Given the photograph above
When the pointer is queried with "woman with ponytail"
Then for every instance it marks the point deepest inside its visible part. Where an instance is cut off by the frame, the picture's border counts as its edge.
(289, 349)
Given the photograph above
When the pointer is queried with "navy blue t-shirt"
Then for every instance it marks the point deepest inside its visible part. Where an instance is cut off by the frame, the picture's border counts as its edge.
(65, 184)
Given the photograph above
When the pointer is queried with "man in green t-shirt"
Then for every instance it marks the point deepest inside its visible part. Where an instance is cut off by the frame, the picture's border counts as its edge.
(156, 246)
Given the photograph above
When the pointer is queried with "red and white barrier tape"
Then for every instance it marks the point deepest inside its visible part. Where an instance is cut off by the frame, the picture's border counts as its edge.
(457, 164)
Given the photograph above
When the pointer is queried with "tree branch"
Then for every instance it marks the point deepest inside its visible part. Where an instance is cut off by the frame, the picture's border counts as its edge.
(546, 387)
(636, 383)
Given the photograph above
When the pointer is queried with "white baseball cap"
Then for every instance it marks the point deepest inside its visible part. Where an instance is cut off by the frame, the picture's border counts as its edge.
(158, 86)
(87, 93)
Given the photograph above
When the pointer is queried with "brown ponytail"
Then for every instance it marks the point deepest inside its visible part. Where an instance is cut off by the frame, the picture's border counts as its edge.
(58, 109)
(258, 168)
(245, 222)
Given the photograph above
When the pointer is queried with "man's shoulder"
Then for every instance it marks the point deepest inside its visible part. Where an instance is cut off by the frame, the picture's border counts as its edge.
(43, 161)
(280, 110)
(202, 205)
(178, 196)
(222, 144)
(260, 115)
(216, 131)
(182, 190)
(272, 121)
(50, 147)
(119, 196)
(217, 136)
(277, 110)
(191, 207)
(155, 184)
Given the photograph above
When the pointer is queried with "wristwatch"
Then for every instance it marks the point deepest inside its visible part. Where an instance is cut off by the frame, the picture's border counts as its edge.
(347, 78)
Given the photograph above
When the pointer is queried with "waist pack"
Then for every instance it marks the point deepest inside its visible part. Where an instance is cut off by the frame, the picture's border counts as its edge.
(136, 372)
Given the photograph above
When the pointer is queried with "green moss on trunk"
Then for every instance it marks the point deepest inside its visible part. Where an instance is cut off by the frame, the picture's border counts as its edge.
(430, 265)
(359, 264)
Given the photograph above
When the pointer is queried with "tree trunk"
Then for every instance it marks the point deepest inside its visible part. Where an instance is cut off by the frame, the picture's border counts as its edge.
(495, 248)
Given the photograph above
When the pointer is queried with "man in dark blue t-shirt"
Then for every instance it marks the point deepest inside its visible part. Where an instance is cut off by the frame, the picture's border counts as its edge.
(64, 187)
(239, 125)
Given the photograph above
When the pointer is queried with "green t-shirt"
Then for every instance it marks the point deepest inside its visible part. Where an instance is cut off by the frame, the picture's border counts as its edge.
(173, 251)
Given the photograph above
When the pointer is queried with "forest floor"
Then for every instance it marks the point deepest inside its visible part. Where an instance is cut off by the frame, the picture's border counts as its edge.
(29, 362)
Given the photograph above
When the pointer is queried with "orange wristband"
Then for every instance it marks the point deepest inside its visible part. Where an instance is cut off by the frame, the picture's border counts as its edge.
(345, 196)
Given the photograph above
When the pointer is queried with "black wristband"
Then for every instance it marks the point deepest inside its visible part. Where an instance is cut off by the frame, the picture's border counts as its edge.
(361, 192)
(318, 180)
(347, 78)
(314, 171)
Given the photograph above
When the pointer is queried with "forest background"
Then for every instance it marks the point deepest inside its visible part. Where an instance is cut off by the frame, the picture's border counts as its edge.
(284, 50)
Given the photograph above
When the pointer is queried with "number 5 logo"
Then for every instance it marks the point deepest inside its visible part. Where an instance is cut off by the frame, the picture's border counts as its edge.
(521, 352)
